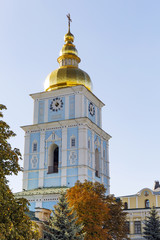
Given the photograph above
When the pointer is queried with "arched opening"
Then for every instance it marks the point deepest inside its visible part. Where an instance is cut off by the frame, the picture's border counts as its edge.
(147, 203)
(97, 163)
(53, 159)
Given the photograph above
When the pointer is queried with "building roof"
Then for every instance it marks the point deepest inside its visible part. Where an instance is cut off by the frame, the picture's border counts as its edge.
(31, 215)
(41, 191)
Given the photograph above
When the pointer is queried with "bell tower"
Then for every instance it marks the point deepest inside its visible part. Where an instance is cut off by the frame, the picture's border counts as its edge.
(66, 142)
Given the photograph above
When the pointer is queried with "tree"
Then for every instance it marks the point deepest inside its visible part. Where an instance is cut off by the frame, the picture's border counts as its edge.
(87, 199)
(14, 223)
(102, 216)
(152, 226)
(62, 225)
(116, 219)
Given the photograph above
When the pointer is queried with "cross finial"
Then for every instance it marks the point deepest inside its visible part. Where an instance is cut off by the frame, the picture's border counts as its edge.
(69, 20)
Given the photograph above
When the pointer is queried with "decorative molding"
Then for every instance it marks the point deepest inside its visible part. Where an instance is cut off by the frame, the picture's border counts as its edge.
(53, 137)
(34, 161)
(72, 157)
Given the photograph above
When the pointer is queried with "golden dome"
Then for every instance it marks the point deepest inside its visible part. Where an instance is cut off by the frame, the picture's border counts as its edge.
(68, 74)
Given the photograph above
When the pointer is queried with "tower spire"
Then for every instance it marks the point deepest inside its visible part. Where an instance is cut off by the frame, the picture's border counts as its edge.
(69, 21)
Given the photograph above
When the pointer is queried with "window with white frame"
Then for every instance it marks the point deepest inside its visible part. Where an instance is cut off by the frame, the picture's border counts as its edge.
(147, 205)
(137, 227)
(73, 141)
(34, 146)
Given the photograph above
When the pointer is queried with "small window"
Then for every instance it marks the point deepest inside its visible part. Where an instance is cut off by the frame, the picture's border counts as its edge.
(73, 142)
(128, 227)
(125, 205)
(137, 227)
(89, 144)
(147, 203)
(34, 147)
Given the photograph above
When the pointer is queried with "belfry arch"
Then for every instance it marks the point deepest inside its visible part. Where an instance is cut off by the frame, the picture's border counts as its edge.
(53, 158)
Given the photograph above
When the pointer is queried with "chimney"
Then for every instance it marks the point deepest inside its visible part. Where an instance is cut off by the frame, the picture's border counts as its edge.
(156, 185)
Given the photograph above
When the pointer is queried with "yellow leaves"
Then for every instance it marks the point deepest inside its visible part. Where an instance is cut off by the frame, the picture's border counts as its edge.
(87, 200)
(101, 216)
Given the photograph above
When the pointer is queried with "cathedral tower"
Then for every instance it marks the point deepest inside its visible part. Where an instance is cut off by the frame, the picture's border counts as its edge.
(66, 142)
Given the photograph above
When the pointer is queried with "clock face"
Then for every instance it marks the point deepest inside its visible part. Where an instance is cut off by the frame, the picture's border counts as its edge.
(56, 104)
(91, 109)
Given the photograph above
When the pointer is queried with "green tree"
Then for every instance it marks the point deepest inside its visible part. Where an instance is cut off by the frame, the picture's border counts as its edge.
(62, 225)
(14, 223)
(152, 226)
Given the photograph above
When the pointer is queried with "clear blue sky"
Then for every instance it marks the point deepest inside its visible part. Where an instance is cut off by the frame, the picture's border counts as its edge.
(119, 44)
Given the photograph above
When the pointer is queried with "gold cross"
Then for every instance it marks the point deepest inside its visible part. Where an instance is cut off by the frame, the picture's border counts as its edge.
(69, 20)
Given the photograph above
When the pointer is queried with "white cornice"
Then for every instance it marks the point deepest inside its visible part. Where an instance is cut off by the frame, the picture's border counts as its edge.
(67, 123)
(69, 90)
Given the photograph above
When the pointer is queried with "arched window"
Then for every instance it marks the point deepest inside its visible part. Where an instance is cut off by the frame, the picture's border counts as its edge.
(125, 205)
(97, 163)
(146, 203)
(53, 159)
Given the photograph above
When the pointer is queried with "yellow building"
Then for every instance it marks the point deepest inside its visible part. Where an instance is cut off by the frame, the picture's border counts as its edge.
(138, 206)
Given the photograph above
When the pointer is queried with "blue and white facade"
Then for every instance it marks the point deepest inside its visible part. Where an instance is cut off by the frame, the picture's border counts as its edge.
(65, 143)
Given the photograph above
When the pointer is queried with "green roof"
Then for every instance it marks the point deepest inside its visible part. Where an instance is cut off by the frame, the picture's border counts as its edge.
(31, 215)
(41, 191)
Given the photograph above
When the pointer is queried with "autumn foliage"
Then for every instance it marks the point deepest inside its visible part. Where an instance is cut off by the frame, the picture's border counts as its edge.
(100, 215)
(87, 200)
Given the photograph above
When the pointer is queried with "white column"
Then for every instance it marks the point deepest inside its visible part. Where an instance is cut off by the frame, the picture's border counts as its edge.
(96, 117)
(93, 153)
(83, 107)
(100, 117)
(26, 160)
(86, 107)
(156, 202)
(83, 150)
(107, 146)
(35, 112)
(83, 153)
(64, 157)
(136, 202)
(41, 159)
(102, 159)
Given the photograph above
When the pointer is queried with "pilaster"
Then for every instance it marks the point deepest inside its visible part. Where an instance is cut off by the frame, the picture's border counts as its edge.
(35, 112)
(41, 159)
(83, 150)
(64, 157)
